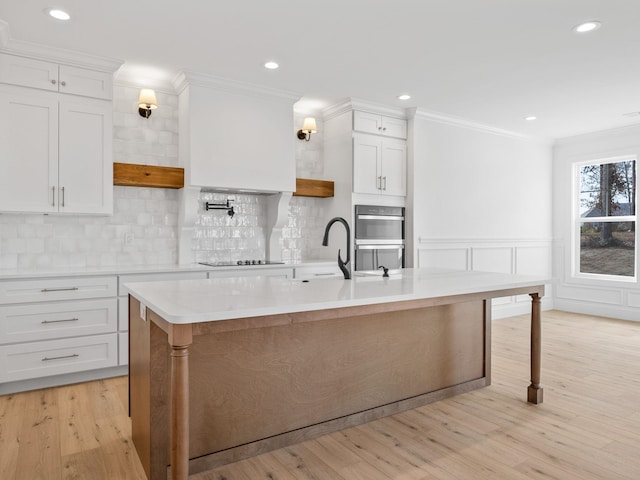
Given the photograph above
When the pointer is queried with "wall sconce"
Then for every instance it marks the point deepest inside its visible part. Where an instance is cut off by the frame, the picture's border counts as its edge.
(147, 102)
(308, 127)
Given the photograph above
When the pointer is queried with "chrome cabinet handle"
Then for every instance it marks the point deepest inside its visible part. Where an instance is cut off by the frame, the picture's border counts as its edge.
(48, 359)
(61, 289)
(53, 197)
(60, 321)
(62, 204)
(63, 83)
(385, 184)
(53, 82)
(379, 184)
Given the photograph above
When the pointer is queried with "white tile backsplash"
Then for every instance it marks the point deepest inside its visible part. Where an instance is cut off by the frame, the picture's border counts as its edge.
(151, 214)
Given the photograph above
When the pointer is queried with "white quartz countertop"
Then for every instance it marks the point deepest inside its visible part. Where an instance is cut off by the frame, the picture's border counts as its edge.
(51, 272)
(194, 301)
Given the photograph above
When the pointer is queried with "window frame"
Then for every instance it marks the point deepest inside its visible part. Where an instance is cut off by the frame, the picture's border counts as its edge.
(577, 222)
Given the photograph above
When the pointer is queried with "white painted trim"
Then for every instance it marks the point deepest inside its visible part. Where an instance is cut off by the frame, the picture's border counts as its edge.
(471, 125)
(57, 55)
(125, 81)
(351, 104)
(600, 135)
(476, 241)
(598, 309)
(187, 77)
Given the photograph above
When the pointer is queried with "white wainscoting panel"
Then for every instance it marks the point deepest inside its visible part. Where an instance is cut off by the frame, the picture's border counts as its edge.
(454, 258)
(516, 256)
(608, 296)
(634, 300)
(492, 259)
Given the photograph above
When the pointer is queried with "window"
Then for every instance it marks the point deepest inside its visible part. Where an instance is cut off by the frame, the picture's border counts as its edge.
(606, 218)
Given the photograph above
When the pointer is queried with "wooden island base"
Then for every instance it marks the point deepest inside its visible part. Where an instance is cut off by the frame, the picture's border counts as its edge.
(206, 394)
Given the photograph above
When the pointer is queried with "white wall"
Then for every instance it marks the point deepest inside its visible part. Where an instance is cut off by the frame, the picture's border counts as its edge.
(597, 297)
(481, 201)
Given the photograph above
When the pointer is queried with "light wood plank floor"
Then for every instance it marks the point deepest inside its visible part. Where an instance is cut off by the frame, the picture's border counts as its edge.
(587, 428)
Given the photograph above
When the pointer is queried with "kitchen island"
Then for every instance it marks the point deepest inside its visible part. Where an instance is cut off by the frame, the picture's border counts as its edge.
(223, 369)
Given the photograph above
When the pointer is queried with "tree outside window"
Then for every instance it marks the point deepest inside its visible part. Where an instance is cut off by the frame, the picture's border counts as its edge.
(607, 218)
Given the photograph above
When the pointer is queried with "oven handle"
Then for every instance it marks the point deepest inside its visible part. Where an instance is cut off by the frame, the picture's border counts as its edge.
(379, 247)
(379, 217)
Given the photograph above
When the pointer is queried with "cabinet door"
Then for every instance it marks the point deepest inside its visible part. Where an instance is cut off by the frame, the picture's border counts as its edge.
(394, 127)
(367, 122)
(394, 167)
(28, 151)
(366, 164)
(28, 72)
(88, 83)
(86, 164)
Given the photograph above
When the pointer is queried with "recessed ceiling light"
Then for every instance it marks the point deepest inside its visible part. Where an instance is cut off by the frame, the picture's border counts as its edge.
(271, 65)
(57, 13)
(530, 118)
(585, 27)
(404, 96)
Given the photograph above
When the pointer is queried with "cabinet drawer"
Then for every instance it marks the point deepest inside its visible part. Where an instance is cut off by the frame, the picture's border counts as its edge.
(157, 277)
(55, 357)
(44, 290)
(47, 321)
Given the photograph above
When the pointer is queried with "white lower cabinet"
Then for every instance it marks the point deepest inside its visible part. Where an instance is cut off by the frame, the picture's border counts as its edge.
(54, 357)
(123, 348)
(57, 326)
(24, 323)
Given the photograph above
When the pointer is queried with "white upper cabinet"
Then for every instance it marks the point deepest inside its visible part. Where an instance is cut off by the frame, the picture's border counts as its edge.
(28, 151)
(85, 166)
(379, 124)
(379, 165)
(55, 153)
(236, 138)
(29, 72)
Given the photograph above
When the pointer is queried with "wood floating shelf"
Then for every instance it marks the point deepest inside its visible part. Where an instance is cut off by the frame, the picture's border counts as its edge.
(306, 187)
(133, 175)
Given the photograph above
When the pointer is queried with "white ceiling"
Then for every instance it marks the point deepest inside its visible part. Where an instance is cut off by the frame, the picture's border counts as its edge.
(488, 61)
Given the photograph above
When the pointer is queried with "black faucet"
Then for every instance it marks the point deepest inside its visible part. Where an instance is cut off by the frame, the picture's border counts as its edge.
(344, 266)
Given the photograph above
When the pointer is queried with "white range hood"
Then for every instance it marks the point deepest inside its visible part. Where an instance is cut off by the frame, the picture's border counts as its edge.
(235, 137)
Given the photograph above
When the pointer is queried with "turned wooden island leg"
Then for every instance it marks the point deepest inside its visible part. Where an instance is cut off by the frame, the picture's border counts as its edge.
(180, 339)
(534, 392)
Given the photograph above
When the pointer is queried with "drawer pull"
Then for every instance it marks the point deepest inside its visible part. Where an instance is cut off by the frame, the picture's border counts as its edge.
(47, 359)
(59, 321)
(63, 289)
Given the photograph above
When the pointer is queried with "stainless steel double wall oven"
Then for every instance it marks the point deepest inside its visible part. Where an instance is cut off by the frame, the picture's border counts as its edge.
(379, 237)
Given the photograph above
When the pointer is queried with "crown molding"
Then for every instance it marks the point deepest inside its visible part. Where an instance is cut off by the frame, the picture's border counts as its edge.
(186, 78)
(53, 54)
(337, 109)
(471, 125)
(350, 104)
(623, 131)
